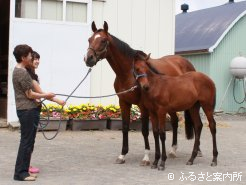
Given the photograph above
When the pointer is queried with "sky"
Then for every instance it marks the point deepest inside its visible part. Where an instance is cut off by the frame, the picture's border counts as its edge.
(200, 4)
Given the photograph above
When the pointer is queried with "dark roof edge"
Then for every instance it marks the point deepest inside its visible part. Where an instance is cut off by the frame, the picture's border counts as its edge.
(194, 52)
(211, 49)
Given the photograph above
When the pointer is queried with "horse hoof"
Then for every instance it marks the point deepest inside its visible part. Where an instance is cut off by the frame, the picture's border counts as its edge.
(214, 164)
(145, 163)
(199, 154)
(120, 161)
(189, 163)
(161, 168)
(172, 155)
(153, 166)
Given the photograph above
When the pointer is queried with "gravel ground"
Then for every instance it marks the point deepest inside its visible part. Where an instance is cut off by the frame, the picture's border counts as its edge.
(87, 157)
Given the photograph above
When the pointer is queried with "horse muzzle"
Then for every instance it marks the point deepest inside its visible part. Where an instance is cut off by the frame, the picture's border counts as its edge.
(145, 87)
(90, 62)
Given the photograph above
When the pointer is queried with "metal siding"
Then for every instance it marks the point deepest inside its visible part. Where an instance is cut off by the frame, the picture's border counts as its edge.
(216, 65)
(230, 47)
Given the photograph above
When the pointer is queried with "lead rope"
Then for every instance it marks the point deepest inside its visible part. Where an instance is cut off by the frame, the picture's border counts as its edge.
(42, 125)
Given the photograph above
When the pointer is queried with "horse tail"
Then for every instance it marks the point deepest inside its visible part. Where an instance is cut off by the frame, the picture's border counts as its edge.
(188, 125)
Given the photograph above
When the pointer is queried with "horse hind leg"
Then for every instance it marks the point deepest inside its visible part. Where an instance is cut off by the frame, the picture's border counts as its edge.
(174, 120)
(197, 123)
(209, 110)
(189, 129)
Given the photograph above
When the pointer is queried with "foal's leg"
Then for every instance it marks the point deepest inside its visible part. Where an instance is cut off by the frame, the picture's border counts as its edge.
(198, 128)
(125, 110)
(162, 132)
(145, 133)
(155, 129)
(174, 121)
(212, 126)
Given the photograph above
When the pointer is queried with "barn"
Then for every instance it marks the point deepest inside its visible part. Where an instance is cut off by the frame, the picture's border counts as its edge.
(59, 30)
(211, 38)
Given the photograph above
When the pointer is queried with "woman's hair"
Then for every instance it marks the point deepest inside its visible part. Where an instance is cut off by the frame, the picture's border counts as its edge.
(32, 73)
(35, 55)
(21, 51)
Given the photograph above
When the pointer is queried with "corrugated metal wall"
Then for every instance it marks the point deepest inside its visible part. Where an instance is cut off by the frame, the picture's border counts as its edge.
(216, 65)
(147, 25)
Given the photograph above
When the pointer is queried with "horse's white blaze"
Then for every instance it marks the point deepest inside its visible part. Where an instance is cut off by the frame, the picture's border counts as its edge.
(97, 36)
(122, 157)
(146, 155)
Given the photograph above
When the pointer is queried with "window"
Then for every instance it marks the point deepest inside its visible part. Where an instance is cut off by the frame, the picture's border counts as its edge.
(52, 10)
(76, 12)
(26, 9)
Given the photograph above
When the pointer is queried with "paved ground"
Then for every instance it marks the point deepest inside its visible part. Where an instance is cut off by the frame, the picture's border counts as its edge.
(87, 158)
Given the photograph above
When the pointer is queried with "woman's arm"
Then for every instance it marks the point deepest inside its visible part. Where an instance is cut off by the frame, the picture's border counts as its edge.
(38, 89)
(35, 95)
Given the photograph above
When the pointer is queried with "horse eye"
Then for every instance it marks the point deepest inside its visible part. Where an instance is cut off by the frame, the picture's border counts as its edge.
(104, 41)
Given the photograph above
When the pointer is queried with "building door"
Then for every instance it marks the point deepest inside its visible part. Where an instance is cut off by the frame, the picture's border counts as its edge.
(4, 45)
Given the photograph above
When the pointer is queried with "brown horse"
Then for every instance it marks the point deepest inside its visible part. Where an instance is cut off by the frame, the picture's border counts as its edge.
(120, 57)
(162, 94)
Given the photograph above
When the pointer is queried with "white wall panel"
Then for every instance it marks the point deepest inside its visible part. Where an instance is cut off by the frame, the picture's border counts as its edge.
(146, 25)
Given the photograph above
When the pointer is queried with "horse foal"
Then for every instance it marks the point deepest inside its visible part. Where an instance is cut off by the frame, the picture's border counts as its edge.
(164, 94)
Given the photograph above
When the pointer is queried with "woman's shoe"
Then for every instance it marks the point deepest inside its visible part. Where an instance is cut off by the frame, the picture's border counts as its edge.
(29, 178)
(33, 170)
(33, 175)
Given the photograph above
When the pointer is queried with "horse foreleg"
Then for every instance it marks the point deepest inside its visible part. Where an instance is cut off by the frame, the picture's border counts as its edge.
(162, 133)
(125, 110)
(174, 121)
(145, 133)
(155, 129)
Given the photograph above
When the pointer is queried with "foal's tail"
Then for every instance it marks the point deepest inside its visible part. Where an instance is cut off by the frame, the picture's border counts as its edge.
(188, 125)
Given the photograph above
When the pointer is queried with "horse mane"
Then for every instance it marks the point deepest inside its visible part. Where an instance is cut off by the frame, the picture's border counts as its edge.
(125, 48)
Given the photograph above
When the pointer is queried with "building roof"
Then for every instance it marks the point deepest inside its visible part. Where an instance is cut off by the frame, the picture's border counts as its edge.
(202, 30)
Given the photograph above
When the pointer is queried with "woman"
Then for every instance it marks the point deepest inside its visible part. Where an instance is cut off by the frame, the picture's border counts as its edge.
(26, 109)
(35, 81)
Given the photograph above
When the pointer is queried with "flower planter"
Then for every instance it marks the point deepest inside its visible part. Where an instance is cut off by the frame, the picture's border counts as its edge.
(53, 124)
(99, 124)
(116, 124)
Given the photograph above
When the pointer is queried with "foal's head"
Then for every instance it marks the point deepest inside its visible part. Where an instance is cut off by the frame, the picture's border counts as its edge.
(98, 44)
(140, 70)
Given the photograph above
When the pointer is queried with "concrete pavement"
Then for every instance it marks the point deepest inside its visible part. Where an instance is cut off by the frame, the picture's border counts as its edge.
(87, 158)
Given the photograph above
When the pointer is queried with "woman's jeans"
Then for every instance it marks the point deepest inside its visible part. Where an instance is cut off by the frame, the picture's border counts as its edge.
(29, 120)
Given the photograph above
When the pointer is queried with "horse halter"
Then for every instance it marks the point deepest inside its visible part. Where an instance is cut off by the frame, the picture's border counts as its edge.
(97, 54)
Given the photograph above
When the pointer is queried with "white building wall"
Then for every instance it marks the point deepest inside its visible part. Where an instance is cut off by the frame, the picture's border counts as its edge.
(61, 45)
(146, 25)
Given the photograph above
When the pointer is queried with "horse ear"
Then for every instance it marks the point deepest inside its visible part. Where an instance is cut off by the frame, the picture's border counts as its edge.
(105, 26)
(93, 26)
(147, 57)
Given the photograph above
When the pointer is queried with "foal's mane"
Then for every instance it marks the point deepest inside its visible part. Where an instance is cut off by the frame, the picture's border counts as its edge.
(153, 69)
(140, 55)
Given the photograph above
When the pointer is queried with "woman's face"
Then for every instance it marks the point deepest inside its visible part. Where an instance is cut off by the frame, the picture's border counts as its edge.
(35, 63)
